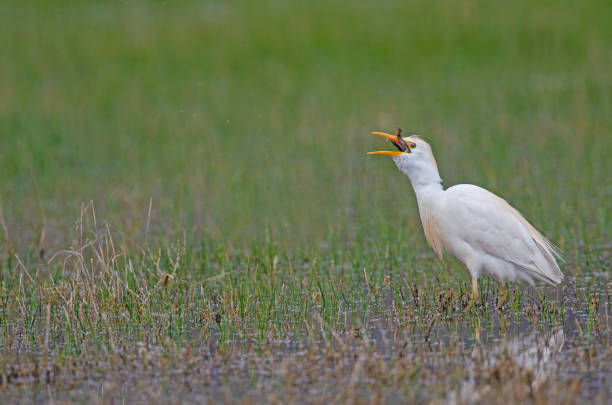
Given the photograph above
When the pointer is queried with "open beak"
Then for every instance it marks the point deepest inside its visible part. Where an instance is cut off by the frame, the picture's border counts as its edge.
(396, 140)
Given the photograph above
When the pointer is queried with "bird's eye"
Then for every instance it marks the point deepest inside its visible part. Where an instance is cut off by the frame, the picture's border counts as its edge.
(412, 145)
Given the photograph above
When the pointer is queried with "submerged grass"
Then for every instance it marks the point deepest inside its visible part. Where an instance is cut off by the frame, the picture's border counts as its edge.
(269, 325)
(232, 241)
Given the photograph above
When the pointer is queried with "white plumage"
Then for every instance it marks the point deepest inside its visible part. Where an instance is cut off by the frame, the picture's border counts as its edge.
(481, 229)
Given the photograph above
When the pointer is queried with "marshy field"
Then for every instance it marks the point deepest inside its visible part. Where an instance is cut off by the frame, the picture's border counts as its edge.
(188, 214)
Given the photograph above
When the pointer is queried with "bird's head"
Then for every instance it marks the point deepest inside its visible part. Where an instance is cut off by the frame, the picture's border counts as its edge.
(413, 157)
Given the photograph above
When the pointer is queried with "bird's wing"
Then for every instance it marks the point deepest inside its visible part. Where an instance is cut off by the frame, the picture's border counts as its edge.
(492, 226)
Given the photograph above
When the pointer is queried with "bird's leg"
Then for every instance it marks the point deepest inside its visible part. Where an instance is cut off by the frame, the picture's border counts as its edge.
(475, 295)
(502, 296)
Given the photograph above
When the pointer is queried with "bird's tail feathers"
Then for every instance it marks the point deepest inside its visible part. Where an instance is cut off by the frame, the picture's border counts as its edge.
(530, 274)
(549, 253)
(550, 248)
(547, 267)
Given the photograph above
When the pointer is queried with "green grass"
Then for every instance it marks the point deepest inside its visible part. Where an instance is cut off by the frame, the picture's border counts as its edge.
(222, 147)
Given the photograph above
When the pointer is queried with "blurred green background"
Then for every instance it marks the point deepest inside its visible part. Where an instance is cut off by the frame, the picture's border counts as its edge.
(248, 119)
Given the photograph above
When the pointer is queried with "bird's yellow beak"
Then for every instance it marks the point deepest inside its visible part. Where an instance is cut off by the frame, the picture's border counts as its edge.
(397, 141)
(386, 152)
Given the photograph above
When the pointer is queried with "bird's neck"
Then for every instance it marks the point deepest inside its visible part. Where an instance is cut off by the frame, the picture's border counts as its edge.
(427, 192)
(426, 182)
(424, 176)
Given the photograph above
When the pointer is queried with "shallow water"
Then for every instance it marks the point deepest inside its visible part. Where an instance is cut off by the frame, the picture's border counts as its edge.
(418, 354)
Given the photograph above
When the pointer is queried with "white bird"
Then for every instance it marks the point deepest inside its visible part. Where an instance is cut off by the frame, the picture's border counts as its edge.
(482, 230)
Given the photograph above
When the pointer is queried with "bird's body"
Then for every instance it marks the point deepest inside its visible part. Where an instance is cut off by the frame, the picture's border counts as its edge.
(486, 234)
(482, 230)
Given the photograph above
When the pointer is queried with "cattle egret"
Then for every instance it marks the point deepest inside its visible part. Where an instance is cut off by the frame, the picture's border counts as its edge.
(482, 230)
